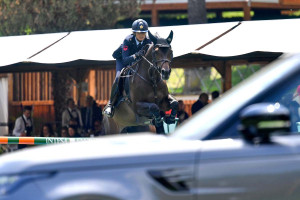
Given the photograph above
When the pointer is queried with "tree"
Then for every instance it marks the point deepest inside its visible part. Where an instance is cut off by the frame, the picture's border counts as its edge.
(19, 17)
(197, 12)
(196, 15)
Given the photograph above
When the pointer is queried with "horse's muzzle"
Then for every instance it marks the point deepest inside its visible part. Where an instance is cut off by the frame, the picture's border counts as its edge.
(165, 74)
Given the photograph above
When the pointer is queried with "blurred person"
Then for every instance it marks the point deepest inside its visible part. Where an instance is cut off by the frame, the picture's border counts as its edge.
(72, 131)
(71, 112)
(99, 129)
(24, 125)
(90, 114)
(74, 123)
(47, 131)
(64, 132)
(181, 114)
(215, 94)
(200, 103)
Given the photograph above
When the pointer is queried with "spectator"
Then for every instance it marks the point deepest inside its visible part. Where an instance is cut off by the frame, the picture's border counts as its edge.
(71, 112)
(73, 122)
(64, 132)
(47, 131)
(90, 114)
(200, 103)
(72, 131)
(181, 114)
(24, 125)
(215, 94)
(99, 129)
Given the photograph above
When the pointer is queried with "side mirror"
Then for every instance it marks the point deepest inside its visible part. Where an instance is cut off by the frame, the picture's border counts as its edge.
(260, 121)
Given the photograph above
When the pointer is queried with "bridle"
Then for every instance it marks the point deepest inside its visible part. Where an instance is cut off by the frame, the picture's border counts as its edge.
(154, 64)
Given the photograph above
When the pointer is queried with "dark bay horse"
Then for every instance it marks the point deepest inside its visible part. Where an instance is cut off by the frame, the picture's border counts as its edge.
(149, 96)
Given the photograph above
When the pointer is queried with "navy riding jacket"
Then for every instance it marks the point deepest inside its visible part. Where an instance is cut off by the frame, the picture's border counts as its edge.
(128, 49)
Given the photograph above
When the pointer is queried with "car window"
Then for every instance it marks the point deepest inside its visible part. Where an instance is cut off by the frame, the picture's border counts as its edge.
(286, 93)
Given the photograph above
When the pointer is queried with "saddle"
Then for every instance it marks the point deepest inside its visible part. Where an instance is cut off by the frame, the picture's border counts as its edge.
(124, 86)
(124, 81)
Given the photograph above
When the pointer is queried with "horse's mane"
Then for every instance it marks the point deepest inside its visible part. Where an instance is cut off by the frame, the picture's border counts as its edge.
(150, 46)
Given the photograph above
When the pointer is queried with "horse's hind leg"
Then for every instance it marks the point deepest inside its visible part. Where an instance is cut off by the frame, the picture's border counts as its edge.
(151, 110)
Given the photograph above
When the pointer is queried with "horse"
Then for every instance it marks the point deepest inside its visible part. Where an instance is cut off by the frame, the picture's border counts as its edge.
(148, 97)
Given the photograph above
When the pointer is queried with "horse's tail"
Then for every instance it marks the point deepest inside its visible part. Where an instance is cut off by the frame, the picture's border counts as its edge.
(110, 126)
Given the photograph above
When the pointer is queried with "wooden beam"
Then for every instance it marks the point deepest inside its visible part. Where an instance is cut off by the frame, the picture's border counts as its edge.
(274, 6)
(224, 69)
(223, 5)
(227, 77)
(29, 103)
(92, 84)
(10, 92)
(220, 67)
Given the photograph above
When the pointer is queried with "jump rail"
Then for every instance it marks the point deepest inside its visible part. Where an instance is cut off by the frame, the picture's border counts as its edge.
(41, 140)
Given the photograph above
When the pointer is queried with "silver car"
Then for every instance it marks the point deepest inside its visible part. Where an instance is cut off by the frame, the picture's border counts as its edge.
(242, 146)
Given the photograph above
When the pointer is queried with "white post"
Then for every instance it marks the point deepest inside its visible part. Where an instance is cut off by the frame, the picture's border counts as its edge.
(3, 106)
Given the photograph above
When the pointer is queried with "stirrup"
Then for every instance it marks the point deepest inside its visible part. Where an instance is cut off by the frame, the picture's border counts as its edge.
(109, 110)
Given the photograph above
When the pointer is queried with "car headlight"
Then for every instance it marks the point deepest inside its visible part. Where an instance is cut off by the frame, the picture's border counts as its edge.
(9, 183)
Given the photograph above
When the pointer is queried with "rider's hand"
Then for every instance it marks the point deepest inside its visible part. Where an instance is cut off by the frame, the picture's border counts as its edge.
(139, 54)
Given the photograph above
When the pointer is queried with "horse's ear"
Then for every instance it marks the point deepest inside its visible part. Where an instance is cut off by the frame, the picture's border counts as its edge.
(152, 37)
(170, 37)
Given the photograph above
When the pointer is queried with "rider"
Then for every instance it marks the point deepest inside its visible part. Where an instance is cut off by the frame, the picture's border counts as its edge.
(129, 52)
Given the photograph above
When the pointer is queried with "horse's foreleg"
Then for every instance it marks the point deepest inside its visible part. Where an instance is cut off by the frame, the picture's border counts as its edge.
(151, 110)
(174, 106)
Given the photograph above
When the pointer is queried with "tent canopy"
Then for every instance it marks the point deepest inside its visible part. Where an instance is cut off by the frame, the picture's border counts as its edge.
(219, 41)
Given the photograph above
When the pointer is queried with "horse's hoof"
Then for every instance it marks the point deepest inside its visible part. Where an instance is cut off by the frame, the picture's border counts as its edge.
(170, 120)
(108, 112)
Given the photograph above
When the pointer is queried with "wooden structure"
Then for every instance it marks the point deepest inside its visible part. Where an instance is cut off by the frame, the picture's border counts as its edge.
(155, 7)
(35, 89)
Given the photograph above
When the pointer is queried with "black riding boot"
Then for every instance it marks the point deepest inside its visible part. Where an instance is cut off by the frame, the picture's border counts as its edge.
(109, 108)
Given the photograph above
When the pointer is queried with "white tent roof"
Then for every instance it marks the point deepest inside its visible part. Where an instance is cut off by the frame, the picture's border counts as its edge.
(14, 49)
(251, 36)
(99, 45)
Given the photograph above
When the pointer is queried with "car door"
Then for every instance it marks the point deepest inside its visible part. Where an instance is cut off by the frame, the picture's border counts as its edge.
(234, 170)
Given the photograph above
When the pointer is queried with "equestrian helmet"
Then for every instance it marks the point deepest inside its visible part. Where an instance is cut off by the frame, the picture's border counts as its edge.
(140, 26)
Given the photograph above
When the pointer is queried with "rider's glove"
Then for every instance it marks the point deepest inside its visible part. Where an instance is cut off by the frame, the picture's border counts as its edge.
(139, 54)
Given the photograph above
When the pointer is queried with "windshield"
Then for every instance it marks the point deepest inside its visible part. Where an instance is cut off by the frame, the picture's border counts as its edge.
(277, 82)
